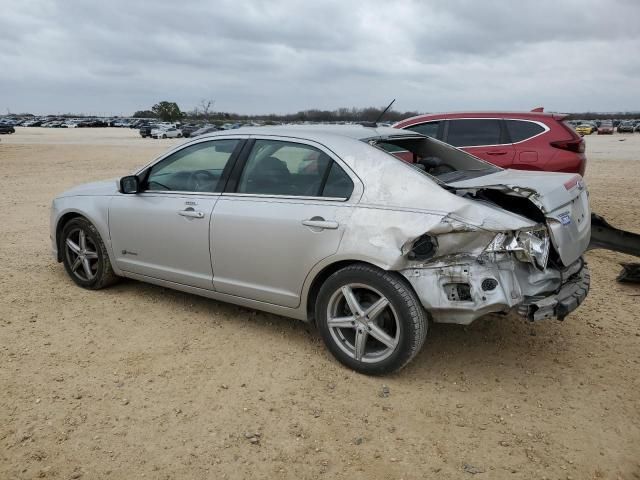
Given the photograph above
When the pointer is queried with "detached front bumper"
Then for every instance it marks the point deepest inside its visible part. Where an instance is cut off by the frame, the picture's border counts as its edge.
(571, 294)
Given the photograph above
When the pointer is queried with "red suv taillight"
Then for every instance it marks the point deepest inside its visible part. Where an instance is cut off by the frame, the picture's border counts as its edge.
(574, 144)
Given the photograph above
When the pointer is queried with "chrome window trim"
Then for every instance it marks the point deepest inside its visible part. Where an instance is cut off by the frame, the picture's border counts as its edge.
(284, 197)
(178, 192)
(546, 129)
(232, 194)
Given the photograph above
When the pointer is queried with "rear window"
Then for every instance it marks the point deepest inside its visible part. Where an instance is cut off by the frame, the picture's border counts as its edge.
(520, 130)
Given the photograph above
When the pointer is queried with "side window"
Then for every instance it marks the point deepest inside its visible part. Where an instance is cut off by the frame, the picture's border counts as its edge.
(197, 168)
(470, 133)
(338, 184)
(430, 129)
(284, 168)
(520, 130)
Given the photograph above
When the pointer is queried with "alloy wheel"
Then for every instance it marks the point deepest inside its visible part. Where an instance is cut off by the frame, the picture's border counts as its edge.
(363, 323)
(82, 254)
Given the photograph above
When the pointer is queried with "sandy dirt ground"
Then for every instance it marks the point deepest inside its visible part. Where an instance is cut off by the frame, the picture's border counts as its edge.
(139, 381)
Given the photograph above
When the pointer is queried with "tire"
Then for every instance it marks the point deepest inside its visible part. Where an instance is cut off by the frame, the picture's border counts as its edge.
(401, 323)
(92, 269)
(164, 135)
(179, 135)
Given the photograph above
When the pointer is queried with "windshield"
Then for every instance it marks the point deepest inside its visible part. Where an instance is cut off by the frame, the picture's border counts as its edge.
(435, 158)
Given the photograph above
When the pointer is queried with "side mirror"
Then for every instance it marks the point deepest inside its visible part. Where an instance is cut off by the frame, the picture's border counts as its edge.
(129, 184)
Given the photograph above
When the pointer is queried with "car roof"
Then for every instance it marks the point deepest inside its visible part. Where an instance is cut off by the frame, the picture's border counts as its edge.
(481, 114)
(321, 133)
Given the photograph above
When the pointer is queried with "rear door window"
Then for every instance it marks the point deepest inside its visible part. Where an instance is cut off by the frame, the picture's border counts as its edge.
(474, 132)
(520, 130)
(276, 167)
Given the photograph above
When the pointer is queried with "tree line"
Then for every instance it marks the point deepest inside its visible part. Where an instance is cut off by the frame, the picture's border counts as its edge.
(170, 112)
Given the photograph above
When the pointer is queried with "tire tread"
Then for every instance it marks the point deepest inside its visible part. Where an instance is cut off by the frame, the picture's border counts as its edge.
(417, 318)
(108, 276)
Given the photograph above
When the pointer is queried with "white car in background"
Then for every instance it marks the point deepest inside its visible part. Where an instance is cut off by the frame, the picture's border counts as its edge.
(166, 132)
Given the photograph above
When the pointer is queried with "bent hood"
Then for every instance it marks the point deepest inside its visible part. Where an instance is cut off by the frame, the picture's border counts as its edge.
(561, 197)
(105, 187)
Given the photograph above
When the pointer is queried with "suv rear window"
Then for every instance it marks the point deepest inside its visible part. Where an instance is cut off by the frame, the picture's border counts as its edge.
(470, 133)
(520, 130)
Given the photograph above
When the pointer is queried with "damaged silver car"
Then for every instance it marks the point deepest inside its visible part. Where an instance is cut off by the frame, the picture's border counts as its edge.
(329, 225)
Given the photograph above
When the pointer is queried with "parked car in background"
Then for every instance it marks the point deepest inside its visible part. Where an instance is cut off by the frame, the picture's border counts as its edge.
(605, 128)
(585, 129)
(166, 132)
(204, 129)
(145, 130)
(188, 129)
(626, 127)
(7, 128)
(519, 140)
(322, 225)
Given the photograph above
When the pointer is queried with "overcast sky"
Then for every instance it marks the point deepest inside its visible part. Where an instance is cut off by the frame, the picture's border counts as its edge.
(115, 57)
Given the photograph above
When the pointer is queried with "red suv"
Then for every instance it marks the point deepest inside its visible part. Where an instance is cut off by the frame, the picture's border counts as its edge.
(522, 140)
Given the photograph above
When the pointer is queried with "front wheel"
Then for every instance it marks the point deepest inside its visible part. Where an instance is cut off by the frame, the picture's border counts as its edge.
(85, 256)
(164, 136)
(370, 319)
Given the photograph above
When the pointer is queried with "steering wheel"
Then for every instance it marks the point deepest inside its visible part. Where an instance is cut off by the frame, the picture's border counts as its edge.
(201, 181)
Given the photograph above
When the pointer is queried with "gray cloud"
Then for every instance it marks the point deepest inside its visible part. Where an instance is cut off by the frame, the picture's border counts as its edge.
(282, 56)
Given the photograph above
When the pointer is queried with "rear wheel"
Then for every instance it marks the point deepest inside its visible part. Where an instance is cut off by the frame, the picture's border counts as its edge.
(85, 256)
(370, 319)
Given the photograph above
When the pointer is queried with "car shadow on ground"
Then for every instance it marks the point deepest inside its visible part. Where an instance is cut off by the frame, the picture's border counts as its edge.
(491, 343)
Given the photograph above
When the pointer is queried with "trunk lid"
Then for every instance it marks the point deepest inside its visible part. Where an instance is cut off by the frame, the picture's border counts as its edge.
(561, 197)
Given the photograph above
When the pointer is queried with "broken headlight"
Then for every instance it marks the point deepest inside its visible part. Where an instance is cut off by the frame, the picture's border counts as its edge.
(528, 246)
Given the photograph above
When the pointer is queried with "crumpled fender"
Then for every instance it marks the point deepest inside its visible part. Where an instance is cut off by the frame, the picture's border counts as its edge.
(387, 234)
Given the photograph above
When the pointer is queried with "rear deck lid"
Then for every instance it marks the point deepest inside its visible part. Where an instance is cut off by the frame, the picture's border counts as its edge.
(561, 197)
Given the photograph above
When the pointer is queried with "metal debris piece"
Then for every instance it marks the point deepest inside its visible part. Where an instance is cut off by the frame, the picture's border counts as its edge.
(630, 273)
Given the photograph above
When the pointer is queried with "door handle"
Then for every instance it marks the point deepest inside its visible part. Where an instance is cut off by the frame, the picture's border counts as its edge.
(321, 223)
(191, 214)
(497, 152)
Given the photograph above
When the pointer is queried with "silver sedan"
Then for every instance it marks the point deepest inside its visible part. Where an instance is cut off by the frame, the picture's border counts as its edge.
(367, 232)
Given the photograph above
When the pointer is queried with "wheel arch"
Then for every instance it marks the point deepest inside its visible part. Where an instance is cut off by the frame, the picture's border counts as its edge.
(328, 270)
(94, 211)
(62, 221)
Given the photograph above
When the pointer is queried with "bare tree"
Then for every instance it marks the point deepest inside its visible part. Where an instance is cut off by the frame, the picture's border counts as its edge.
(206, 105)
